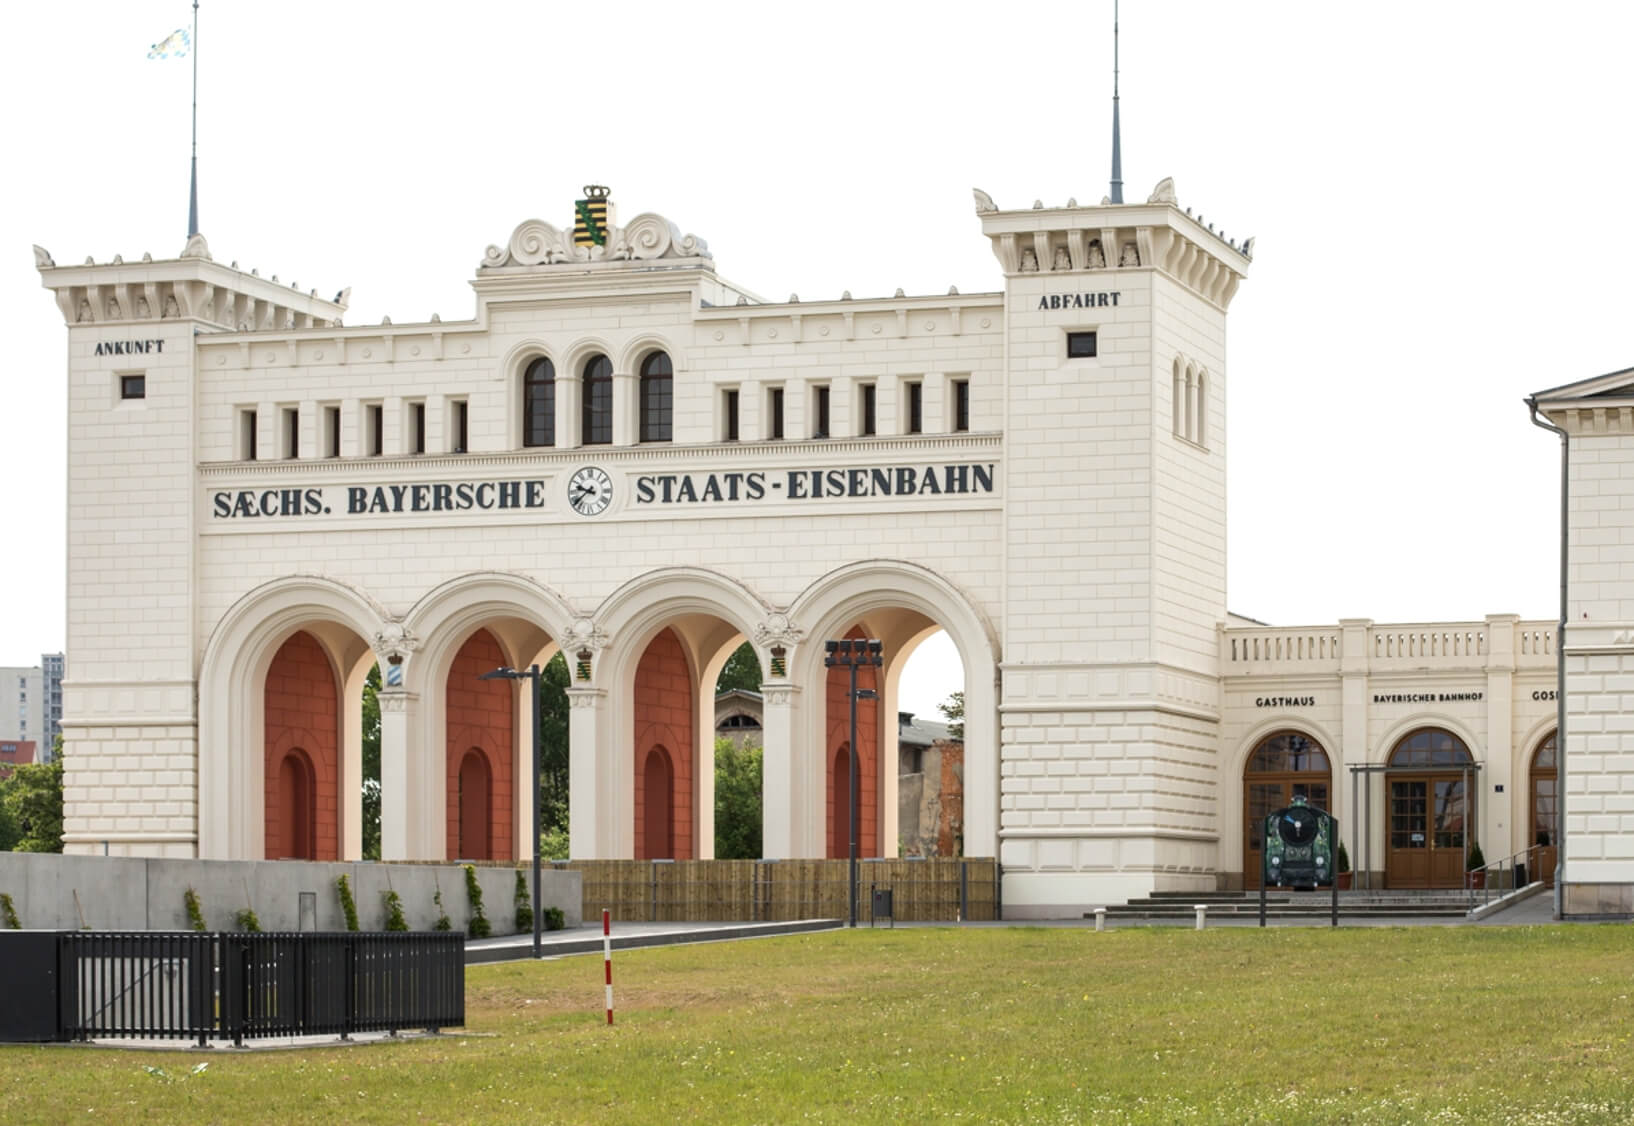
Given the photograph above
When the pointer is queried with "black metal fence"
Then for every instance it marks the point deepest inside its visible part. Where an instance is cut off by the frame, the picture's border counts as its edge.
(162, 985)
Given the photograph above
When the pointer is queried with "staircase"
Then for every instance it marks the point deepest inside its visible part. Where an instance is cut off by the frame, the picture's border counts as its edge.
(1282, 903)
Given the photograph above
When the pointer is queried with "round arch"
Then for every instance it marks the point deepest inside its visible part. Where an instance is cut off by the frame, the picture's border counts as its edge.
(853, 592)
(1294, 763)
(1429, 807)
(1235, 766)
(232, 672)
(514, 364)
(629, 357)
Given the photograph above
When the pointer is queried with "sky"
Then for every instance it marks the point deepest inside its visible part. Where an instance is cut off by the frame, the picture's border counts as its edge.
(1408, 172)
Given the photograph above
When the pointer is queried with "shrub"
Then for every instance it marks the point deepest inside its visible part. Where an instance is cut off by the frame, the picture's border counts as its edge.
(1341, 859)
(394, 912)
(195, 913)
(444, 923)
(247, 922)
(1476, 860)
(347, 906)
(554, 919)
(553, 844)
(479, 926)
(10, 913)
(524, 905)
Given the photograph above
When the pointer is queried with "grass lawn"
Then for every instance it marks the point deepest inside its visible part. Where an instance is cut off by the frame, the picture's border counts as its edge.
(1286, 1025)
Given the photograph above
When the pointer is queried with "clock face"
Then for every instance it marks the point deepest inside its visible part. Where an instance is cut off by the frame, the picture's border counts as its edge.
(590, 491)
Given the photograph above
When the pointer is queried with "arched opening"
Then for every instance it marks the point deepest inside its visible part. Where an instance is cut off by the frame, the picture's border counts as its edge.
(596, 410)
(481, 716)
(839, 804)
(1283, 766)
(1545, 807)
(664, 722)
(302, 746)
(291, 832)
(657, 815)
(837, 698)
(1430, 813)
(740, 757)
(475, 799)
(657, 398)
(930, 760)
(539, 403)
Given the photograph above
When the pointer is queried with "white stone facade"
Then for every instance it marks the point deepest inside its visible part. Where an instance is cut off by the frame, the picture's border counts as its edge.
(1061, 515)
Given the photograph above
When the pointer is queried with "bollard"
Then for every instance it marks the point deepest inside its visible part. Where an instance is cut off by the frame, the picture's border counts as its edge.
(1100, 919)
(1202, 912)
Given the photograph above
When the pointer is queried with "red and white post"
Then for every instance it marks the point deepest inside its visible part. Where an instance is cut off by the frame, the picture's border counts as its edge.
(607, 956)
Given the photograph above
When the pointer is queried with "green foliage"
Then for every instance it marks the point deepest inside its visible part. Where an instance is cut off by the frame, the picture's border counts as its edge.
(394, 912)
(553, 844)
(246, 921)
(195, 913)
(371, 765)
(1341, 859)
(9, 911)
(553, 746)
(524, 905)
(742, 670)
(1476, 859)
(31, 801)
(348, 906)
(738, 821)
(479, 926)
(554, 919)
(443, 923)
(953, 710)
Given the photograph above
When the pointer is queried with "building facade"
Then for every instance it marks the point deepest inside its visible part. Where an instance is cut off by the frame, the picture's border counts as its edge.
(628, 459)
(25, 713)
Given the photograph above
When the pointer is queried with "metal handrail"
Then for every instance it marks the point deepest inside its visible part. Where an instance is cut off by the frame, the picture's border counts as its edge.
(1521, 869)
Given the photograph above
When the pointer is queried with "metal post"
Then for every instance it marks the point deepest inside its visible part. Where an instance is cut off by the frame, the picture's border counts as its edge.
(538, 727)
(855, 775)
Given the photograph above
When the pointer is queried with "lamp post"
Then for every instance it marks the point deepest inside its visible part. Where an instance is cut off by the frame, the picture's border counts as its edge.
(854, 653)
(531, 673)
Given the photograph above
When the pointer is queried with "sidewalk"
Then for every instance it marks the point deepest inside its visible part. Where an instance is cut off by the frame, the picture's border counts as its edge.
(586, 939)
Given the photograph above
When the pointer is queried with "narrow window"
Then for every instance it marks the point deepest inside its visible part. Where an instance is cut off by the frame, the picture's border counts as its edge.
(377, 429)
(292, 432)
(961, 404)
(460, 425)
(331, 431)
(539, 403)
(819, 413)
(870, 420)
(597, 415)
(657, 398)
(916, 408)
(133, 387)
(1080, 345)
(730, 420)
(246, 434)
(417, 427)
(1178, 400)
(774, 415)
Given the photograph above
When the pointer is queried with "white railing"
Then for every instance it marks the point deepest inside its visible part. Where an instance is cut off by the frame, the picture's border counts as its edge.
(1260, 650)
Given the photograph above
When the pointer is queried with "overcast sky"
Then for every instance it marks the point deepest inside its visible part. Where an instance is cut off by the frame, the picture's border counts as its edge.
(1411, 173)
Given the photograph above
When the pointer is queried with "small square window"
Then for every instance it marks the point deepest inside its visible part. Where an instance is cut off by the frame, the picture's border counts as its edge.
(133, 387)
(1080, 345)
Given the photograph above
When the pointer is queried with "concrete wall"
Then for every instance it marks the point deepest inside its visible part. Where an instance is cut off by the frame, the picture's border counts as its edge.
(129, 893)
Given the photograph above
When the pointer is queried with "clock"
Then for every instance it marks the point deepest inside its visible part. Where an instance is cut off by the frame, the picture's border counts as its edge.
(590, 491)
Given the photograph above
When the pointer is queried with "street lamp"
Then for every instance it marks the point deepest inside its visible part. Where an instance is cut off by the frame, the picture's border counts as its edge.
(854, 653)
(531, 673)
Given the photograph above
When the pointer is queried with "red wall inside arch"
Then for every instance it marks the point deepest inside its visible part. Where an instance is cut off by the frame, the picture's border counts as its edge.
(302, 715)
(664, 718)
(837, 767)
(482, 714)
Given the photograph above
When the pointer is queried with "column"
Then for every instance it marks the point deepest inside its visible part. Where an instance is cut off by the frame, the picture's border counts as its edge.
(784, 818)
(1494, 811)
(592, 780)
(403, 816)
(626, 409)
(1353, 751)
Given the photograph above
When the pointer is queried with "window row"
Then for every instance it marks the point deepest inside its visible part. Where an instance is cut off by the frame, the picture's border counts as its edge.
(548, 403)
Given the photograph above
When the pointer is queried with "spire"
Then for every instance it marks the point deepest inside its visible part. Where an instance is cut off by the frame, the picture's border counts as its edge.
(1117, 145)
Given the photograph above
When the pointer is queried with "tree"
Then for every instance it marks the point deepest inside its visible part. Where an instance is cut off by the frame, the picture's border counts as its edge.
(32, 797)
(742, 670)
(553, 754)
(738, 773)
(371, 765)
(954, 712)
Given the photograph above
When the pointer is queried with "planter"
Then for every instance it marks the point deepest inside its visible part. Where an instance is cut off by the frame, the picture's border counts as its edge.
(1344, 879)
(1476, 878)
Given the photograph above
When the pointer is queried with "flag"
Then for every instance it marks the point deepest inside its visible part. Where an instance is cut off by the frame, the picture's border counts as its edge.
(172, 46)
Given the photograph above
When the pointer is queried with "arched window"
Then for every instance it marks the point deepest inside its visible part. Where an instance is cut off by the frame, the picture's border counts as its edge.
(1545, 809)
(1199, 433)
(1283, 766)
(597, 416)
(539, 403)
(1430, 818)
(657, 398)
(1178, 402)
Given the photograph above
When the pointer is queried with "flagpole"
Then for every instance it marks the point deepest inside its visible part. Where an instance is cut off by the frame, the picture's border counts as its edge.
(193, 198)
